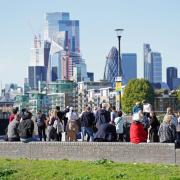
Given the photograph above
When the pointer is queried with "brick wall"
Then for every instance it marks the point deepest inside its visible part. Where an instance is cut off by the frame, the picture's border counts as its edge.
(119, 152)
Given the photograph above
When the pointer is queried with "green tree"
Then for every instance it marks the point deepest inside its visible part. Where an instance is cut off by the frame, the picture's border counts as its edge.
(137, 90)
(178, 94)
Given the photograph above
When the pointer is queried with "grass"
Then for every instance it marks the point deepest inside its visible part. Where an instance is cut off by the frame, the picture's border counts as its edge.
(77, 170)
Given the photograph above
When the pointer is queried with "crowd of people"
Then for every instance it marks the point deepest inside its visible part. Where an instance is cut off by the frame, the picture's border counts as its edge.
(100, 124)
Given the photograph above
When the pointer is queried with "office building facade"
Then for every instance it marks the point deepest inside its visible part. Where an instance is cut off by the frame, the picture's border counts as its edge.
(111, 66)
(36, 74)
(65, 33)
(129, 67)
(171, 73)
(152, 65)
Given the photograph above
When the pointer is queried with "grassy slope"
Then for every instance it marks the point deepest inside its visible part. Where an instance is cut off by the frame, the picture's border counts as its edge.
(37, 169)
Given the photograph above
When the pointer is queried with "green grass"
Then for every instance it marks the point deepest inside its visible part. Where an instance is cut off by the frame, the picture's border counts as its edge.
(77, 170)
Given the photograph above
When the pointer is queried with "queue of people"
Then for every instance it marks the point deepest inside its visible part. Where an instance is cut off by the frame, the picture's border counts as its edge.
(101, 124)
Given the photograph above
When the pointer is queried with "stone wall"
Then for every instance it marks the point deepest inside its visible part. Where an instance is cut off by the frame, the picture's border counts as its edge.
(119, 152)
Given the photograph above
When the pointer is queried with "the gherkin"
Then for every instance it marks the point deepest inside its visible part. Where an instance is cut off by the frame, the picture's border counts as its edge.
(111, 66)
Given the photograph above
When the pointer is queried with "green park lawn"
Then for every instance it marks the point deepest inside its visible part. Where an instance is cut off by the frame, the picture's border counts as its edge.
(78, 170)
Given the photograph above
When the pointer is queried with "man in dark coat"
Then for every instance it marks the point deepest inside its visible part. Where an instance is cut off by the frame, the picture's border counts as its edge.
(102, 116)
(106, 133)
(87, 123)
(26, 127)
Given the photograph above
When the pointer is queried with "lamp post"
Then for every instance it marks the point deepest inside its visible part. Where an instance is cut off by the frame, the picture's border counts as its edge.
(119, 77)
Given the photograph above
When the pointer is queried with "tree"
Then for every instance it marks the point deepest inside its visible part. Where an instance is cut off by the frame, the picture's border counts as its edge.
(178, 94)
(137, 90)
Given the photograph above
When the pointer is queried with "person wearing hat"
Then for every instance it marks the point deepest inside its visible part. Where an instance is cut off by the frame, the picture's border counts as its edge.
(147, 108)
(137, 131)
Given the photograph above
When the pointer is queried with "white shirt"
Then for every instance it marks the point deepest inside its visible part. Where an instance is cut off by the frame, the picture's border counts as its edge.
(72, 116)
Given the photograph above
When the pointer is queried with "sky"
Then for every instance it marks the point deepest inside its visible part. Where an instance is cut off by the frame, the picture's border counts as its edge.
(156, 22)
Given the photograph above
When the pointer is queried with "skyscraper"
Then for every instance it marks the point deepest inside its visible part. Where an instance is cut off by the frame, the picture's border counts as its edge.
(147, 62)
(36, 71)
(111, 66)
(152, 65)
(156, 67)
(64, 32)
(171, 73)
(129, 67)
(36, 74)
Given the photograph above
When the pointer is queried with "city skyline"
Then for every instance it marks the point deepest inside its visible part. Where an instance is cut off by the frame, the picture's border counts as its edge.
(159, 29)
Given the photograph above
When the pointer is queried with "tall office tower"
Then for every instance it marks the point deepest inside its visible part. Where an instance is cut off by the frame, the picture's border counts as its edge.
(47, 46)
(80, 73)
(171, 73)
(36, 71)
(152, 65)
(111, 66)
(36, 74)
(65, 32)
(147, 63)
(129, 67)
(156, 67)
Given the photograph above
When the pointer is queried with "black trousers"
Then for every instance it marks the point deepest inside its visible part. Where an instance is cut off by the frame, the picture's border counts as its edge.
(41, 133)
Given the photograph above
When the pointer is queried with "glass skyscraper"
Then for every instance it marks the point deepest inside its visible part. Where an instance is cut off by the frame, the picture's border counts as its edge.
(152, 65)
(37, 71)
(156, 67)
(171, 74)
(147, 63)
(36, 74)
(64, 32)
(129, 67)
(111, 66)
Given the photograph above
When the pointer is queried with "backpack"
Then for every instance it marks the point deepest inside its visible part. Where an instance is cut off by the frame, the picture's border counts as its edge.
(40, 121)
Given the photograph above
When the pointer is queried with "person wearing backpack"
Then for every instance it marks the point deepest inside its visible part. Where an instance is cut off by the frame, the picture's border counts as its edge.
(119, 123)
(40, 120)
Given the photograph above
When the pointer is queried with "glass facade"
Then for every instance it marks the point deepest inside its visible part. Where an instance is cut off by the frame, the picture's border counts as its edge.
(35, 74)
(129, 67)
(152, 65)
(64, 32)
(128, 63)
(171, 74)
(147, 62)
(111, 66)
(156, 67)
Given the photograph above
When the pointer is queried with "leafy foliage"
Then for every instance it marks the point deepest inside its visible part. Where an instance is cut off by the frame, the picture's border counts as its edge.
(137, 90)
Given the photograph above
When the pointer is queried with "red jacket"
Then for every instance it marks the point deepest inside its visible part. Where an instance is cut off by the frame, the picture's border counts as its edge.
(11, 117)
(137, 133)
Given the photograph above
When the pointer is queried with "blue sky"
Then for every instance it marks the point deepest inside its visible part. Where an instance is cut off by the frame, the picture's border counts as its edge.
(155, 22)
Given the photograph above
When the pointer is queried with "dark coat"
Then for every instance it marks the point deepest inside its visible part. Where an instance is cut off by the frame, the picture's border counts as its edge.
(106, 133)
(153, 132)
(102, 116)
(87, 119)
(26, 128)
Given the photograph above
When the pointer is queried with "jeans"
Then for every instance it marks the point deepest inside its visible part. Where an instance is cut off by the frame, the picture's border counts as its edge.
(88, 131)
(41, 132)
